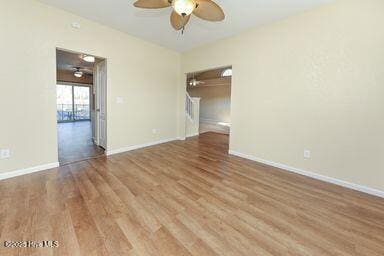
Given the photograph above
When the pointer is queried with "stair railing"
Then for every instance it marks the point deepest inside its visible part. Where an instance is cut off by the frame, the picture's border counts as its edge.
(189, 106)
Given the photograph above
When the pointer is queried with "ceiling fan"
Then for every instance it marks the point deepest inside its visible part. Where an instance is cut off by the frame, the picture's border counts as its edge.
(194, 82)
(182, 10)
(79, 72)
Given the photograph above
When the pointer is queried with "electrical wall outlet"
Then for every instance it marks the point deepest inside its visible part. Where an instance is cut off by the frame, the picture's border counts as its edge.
(76, 25)
(307, 154)
(154, 131)
(5, 153)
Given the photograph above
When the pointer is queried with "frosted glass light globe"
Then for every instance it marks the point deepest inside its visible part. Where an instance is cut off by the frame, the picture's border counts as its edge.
(184, 7)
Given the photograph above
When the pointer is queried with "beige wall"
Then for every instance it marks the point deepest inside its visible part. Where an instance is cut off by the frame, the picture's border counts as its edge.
(215, 103)
(144, 74)
(314, 81)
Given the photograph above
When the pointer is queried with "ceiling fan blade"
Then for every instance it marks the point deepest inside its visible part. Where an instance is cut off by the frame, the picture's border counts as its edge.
(201, 1)
(152, 4)
(177, 21)
(209, 10)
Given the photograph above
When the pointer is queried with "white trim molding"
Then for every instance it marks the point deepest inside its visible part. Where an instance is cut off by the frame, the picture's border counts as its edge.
(193, 135)
(335, 181)
(209, 121)
(130, 148)
(11, 174)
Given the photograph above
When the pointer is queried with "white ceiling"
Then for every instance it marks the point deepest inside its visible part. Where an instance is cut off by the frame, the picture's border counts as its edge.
(153, 25)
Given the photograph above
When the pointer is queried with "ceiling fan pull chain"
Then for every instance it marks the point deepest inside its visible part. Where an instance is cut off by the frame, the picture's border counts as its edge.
(182, 31)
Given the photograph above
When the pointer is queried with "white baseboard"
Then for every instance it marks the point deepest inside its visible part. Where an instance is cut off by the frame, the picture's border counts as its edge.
(193, 135)
(209, 121)
(215, 122)
(342, 183)
(126, 149)
(11, 174)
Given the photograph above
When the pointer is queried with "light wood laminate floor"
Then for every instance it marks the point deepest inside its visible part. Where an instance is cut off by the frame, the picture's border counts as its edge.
(75, 142)
(186, 198)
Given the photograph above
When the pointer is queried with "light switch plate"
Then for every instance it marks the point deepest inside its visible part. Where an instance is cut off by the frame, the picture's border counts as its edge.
(120, 100)
(5, 153)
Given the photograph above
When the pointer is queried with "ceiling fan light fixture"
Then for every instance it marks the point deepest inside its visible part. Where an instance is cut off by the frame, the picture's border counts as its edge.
(89, 58)
(193, 82)
(184, 7)
(78, 74)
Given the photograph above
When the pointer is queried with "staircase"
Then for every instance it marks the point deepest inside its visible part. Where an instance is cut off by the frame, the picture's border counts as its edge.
(192, 113)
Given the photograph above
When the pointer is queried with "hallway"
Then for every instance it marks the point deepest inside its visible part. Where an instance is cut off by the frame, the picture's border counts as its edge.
(75, 142)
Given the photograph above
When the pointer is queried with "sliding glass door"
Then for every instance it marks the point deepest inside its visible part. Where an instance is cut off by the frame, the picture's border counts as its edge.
(81, 103)
(73, 103)
(64, 103)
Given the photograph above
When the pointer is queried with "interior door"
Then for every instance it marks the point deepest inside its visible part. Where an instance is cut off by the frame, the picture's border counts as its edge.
(93, 108)
(101, 106)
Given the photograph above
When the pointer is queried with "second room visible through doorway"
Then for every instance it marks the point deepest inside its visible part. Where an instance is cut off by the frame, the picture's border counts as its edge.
(208, 102)
(78, 106)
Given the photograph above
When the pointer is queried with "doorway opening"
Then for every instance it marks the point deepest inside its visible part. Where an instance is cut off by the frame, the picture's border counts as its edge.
(81, 106)
(208, 102)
